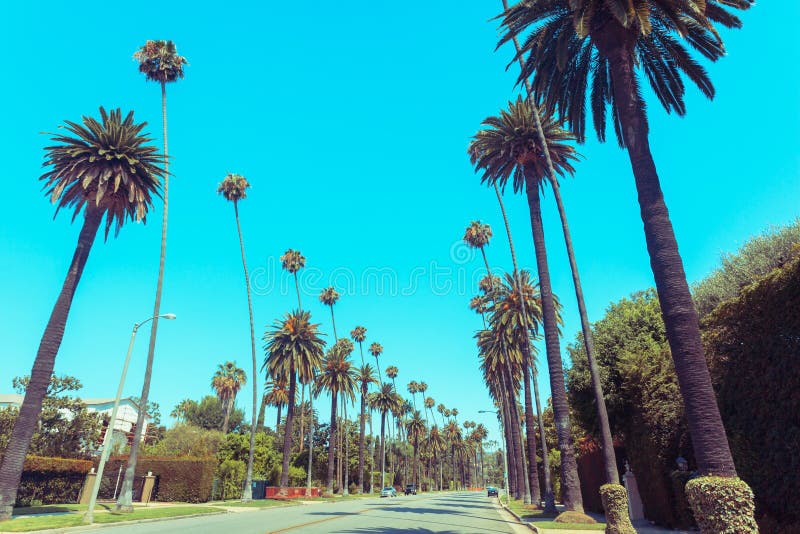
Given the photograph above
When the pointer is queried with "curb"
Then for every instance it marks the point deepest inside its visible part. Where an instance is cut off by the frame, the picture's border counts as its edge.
(518, 518)
(94, 526)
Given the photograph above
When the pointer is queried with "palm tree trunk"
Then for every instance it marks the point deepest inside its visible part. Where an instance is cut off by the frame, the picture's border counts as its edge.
(339, 470)
(709, 440)
(333, 321)
(27, 420)
(247, 494)
(332, 443)
(383, 449)
(125, 500)
(511, 457)
(302, 413)
(372, 452)
(530, 432)
(287, 432)
(361, 429)
(346, 487)
(570, 483)
(310, 441)
(278, 422)
(226, 407)
(549, 496)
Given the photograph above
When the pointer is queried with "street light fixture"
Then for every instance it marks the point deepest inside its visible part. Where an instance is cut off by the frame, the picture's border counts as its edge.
(505, 456)
(88, 519)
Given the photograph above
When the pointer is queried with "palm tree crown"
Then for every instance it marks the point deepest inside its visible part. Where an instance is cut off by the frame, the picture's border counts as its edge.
(293, 261)
(329, 296)
(358, 334)
(108, 165)
(572, 43)
(510, 145)
(477, 235)
(392, 371)
(159, 61)
(294, 343)
(233, 187)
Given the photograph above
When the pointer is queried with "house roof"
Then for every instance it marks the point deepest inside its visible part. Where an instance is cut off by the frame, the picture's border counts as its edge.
(16, 399)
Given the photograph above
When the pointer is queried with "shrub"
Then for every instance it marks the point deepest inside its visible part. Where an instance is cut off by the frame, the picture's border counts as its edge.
(231, 476)
(683, 512)
(615, 502)
(574, 517)
(182, 479)
(722, 505)
(51, 480)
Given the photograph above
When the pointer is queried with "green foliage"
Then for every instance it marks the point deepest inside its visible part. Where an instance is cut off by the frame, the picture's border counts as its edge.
(758, 257)
(574, 518)
(297, 475)
(683, 512)
(51, 480)
(615, 503)
(187, 440)
(209, 413)
(65, 429)
(230, 474)
(182, 479)
(236, 447)
(753, 345)
(722, 505)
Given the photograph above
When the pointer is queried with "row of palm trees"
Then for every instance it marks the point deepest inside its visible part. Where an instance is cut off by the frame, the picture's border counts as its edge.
(571, 52)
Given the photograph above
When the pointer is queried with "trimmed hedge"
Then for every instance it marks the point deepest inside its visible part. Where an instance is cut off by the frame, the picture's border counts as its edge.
(615, 501)
(181, 479)
(51, 480)
(722, 505)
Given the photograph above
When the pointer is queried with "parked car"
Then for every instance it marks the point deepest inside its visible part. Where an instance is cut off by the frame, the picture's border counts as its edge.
(491, 491)
(411, 489)
(388, 492)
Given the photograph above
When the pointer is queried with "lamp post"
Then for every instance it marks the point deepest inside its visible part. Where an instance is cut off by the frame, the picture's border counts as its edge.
(505, 455)
(88, 518)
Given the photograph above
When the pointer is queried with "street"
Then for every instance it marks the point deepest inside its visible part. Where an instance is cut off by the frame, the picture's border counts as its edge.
(448, 513)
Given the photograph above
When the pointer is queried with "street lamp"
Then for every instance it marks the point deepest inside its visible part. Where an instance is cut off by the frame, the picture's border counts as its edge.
(88, 519)
(505, 456)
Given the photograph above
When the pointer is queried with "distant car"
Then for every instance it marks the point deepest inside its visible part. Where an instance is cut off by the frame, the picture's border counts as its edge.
(411, 489)
(491, 491)
(388, 492)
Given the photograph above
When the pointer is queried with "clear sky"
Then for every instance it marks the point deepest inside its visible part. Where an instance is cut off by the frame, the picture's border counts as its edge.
(351, 121)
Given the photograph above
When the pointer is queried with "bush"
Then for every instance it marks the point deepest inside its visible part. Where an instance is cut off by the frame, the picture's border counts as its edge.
(722, 505)
(231, 476)
(51, 480)
(615, 502)
(181, 479)
(574, 517)
(683, 511)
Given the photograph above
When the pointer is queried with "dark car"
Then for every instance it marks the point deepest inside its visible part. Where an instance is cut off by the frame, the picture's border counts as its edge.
(491, 491)
(411, 489)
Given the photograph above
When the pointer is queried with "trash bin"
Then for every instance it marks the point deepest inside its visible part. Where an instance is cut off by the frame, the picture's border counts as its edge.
(259, 489)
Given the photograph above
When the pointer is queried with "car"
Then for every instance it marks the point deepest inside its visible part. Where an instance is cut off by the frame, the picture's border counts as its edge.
(388, 492)
(491, 491)
(411, 489)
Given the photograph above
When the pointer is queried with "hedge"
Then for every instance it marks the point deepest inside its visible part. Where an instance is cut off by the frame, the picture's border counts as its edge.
(51, 480)
(722, 505)
(753, 346)
(181, 479)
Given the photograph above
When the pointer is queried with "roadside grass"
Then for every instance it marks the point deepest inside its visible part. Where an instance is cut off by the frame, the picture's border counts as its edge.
(541, 520)
(24, 524)
(259, 503)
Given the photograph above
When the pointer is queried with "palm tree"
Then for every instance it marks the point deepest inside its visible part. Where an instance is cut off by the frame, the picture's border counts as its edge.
(452, 433)
(480, 305)
(159, 62)
(293, 349)
(278, 395)
(366, 376)
(345, 348)
(337, 377)
(415, 431)
(292, 261)
(234, 188)
(436, 444)
(412, 388)
(181, 409)
(606, 441)
(227, 381)
(392, 372)
(508, 147)
(84, 173)
(262, 408)
(477, 235)
(384, 400)
(359, 334)
(606, 46)
(376, 350)
(328, 297)
(429, 404)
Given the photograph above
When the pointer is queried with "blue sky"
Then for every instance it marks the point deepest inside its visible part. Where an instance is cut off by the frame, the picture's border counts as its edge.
(351, 121)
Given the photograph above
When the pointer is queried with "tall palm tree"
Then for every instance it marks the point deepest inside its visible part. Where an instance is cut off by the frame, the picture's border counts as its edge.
(437, 445)
(477, 235)
(227, 381)
(611, 45)
(160, 62)
(452, 433)
(366, 376)
(479, 304)
(345, 347)
(415, 431)
(292, 261)
(277, 395)
(359, 334)
(429, 404)
(606, 441)
(376, 349)
(337, 377)
(85, 174)
(412, 388)
(385, 400)
(293, 349)
(329, 297)
(508, 148)
(234, 188)
(391, 372)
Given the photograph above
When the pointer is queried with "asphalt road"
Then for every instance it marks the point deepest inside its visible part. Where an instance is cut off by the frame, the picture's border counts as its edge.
(447, 513)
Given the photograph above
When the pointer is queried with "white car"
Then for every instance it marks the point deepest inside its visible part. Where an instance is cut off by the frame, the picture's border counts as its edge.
(388, 492)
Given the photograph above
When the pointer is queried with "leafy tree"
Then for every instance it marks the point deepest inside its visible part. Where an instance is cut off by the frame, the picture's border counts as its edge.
(85, 174)
(153, 410)
(160, 62)
(186, 439)
(227, 381)
(209, 413)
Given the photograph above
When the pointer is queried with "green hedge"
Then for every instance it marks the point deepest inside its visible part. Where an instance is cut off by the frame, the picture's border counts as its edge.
(753, 346)
(722, 505)
(181, 479)
(51, 480)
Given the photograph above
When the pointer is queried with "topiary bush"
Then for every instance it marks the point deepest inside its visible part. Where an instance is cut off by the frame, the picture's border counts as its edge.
(51, 480)
(574, 517)
(722, 505)
(615, 503)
